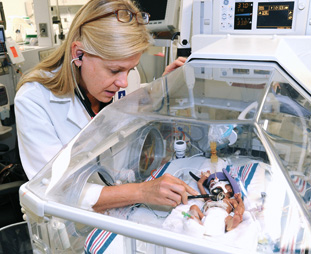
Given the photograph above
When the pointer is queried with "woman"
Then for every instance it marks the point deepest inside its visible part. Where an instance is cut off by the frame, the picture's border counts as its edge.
(60, 95)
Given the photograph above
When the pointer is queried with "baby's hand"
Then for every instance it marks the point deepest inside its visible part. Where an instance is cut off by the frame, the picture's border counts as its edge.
(238, 197)
(204, 176)
(207, 173)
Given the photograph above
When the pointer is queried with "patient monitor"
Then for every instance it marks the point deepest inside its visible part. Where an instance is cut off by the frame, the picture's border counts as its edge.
(256, 17)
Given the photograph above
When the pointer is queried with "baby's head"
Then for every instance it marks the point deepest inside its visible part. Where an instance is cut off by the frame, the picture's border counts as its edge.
(222, 182)
(216, 186)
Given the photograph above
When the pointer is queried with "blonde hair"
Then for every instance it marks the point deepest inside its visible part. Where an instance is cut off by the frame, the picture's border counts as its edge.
(106, 37)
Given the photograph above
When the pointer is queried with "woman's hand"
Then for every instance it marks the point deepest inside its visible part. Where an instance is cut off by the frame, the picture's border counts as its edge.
(166, 190)
(177, 63)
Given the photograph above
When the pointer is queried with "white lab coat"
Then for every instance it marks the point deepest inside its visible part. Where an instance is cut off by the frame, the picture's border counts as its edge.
(45, 123)
(63, 117)
(45, 120)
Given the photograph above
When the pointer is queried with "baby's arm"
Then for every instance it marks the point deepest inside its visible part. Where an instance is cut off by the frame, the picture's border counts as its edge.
(204, 176)
(240, 208)
(237, 217)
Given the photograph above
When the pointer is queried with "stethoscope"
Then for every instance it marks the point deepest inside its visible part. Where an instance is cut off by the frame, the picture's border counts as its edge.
(78, 92)
(87, 105)
(82, 97)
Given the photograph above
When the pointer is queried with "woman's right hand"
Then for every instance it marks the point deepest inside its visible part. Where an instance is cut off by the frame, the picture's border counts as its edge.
(166, 190)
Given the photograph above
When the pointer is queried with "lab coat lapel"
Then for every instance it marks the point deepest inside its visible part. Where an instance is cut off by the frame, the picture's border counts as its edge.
(76, 112)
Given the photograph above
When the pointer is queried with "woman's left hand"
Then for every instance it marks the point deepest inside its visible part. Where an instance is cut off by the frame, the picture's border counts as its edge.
(177, 63)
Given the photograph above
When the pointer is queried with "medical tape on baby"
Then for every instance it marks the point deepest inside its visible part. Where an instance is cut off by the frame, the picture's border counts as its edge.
(221, 184)
(220, 204)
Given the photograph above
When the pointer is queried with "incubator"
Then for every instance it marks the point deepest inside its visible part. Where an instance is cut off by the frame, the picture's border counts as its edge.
(241, 103)
(256, 114)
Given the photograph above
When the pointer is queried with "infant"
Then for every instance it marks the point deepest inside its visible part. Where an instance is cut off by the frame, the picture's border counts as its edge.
(223, 208)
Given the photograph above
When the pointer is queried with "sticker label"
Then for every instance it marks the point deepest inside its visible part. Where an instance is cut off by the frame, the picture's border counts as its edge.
(14, 52)
(121, 94)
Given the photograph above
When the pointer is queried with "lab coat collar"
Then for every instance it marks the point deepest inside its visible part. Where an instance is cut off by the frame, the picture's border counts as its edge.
(76, 113)
(57, 98)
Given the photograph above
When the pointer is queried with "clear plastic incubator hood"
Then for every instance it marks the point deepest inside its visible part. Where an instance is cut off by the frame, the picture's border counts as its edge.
(252, 119)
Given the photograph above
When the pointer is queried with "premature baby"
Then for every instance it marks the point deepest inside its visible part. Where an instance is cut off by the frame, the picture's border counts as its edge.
(223, 208)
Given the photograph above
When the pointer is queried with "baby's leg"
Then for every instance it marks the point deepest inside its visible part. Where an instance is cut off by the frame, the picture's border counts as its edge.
(196, 213)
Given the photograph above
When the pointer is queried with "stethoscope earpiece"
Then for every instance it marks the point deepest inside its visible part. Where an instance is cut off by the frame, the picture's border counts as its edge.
(77, 58)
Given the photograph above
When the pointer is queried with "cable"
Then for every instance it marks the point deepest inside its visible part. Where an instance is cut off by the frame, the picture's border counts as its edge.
(171, 46)
(138, 205)
(74, 77)
(143, 71)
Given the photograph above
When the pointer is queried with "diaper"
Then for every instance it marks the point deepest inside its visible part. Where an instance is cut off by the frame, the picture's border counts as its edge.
(214, 221)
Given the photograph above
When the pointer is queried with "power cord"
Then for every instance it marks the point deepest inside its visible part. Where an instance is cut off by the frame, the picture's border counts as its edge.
(171, 46)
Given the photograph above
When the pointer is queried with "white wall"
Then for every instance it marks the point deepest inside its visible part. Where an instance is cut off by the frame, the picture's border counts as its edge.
(16, 10)
(14, 7)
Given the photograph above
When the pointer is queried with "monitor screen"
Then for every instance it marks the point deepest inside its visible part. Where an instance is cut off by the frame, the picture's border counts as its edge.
(156, 9)
(275, 15)
(243, 15)
(163, 14)
(2, 40)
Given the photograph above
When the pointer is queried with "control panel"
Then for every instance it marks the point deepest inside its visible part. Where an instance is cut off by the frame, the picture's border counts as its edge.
(252, 17)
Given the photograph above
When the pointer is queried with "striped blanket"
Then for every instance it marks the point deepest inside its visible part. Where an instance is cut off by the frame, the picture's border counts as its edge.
(98, 241)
